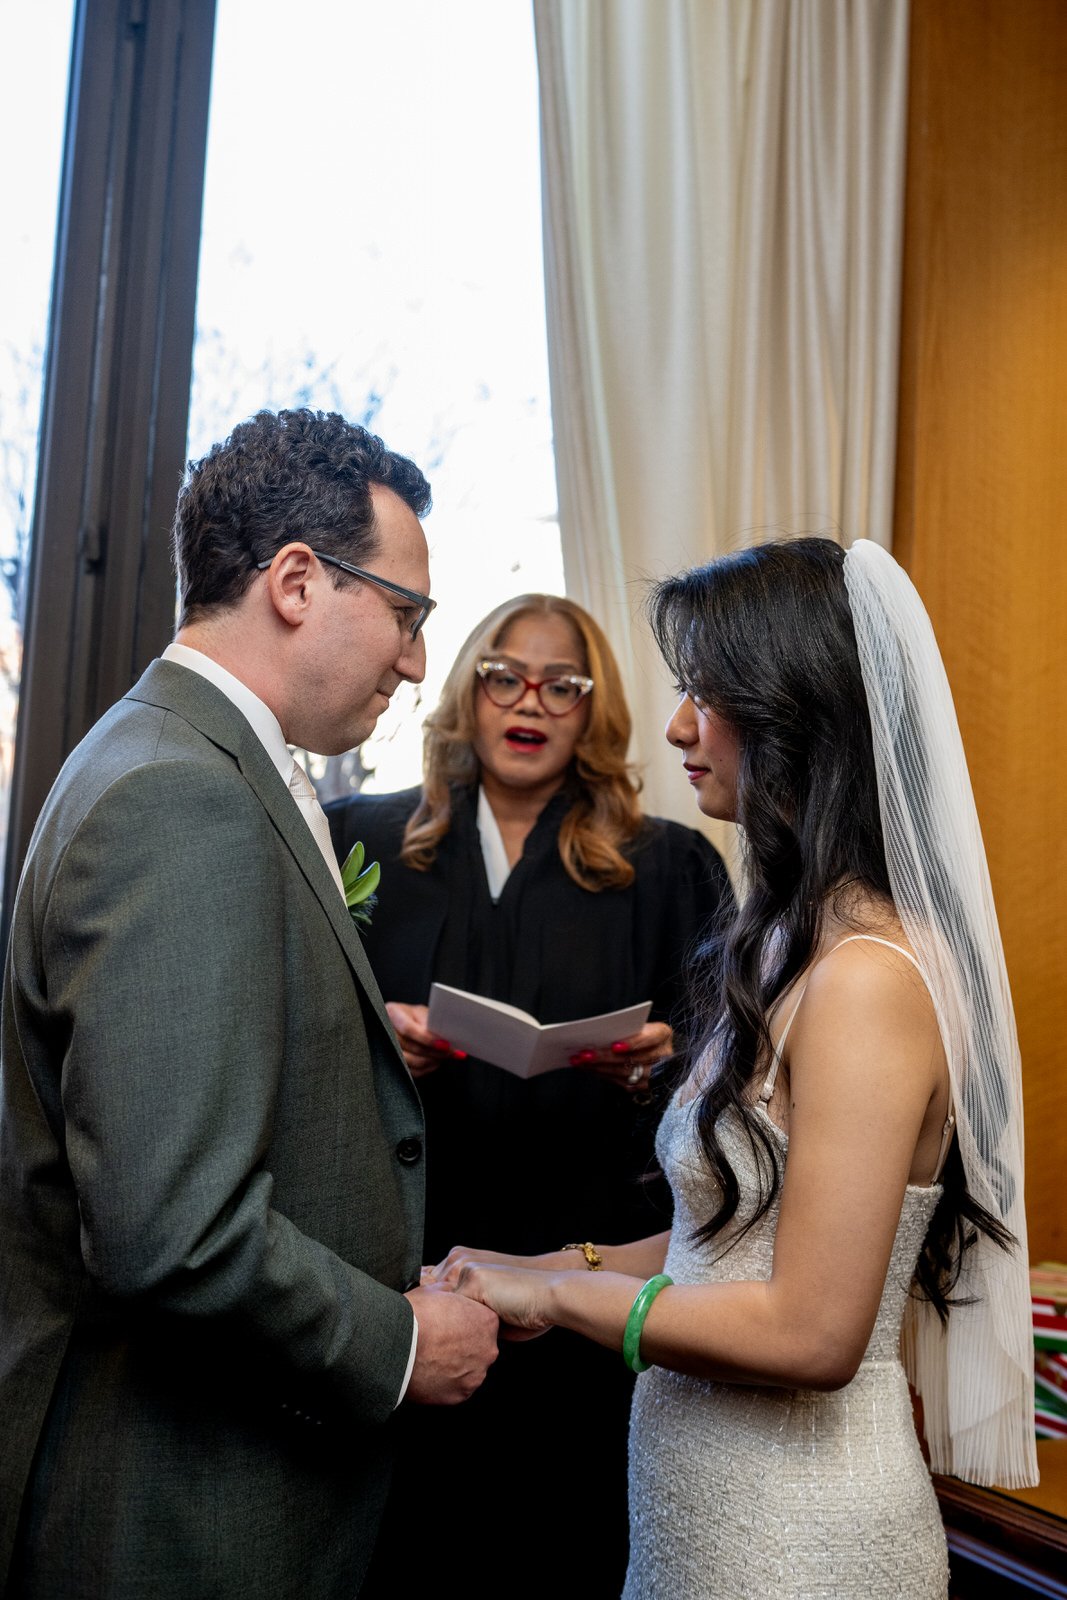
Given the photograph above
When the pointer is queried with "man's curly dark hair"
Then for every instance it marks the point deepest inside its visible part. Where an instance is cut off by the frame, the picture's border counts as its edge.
(281, 476)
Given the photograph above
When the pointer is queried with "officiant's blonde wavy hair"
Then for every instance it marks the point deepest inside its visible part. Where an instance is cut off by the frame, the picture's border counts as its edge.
(605, 815)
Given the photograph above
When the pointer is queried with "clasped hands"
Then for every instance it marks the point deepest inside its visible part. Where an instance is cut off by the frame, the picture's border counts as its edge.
(628, 1062)
(519, 1289)
(462, 1303)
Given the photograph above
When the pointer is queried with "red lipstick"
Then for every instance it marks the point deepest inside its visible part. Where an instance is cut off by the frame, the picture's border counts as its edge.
(521, 737)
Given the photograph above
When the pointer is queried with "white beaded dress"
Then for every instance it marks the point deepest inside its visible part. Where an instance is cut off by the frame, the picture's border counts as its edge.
(740, 1491)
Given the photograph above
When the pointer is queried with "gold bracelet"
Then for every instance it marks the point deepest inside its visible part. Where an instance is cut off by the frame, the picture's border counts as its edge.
(593, 1259)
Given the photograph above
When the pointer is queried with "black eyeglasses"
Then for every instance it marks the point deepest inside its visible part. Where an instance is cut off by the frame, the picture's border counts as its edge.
(506, 687)
(421, 604)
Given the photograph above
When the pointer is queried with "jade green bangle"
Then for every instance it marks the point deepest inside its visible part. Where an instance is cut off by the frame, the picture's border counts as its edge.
(631, 1339)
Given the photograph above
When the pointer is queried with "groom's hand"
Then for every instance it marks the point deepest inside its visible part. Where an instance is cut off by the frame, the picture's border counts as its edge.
(455, 1349)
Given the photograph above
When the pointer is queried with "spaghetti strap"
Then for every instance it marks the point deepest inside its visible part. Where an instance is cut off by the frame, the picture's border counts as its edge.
(872, 938)
(776, 1060)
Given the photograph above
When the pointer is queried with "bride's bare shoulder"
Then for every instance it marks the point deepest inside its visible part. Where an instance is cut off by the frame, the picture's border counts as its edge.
(866, 977)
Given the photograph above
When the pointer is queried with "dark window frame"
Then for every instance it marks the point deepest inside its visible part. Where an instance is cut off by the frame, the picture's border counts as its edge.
(115, 405)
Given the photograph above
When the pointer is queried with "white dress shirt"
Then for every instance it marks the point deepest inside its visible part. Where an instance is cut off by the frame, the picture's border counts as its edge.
(268, 731)
(495, 856)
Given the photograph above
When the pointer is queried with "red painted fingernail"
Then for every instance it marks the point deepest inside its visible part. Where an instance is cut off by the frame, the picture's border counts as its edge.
(583, 1057)
(441, 1044)
(622, 1048)
(459, 1055)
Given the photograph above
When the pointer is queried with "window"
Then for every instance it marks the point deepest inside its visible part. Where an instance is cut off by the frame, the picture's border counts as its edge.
(32, 114)
(372, 245)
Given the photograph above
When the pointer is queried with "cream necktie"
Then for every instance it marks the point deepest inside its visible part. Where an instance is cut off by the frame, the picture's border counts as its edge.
(303, 793)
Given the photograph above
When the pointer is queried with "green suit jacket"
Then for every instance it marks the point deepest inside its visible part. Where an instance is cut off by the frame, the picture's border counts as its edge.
(211, 1182)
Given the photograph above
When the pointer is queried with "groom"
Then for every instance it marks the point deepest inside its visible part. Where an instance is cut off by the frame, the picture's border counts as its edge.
(211, 1159)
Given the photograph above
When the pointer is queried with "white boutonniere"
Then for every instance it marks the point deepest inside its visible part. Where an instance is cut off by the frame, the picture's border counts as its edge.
(359, 884)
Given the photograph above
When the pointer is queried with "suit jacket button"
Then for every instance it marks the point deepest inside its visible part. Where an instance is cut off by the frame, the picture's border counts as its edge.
(409, 1151)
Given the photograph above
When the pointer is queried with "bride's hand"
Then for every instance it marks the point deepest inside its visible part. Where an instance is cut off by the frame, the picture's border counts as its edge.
(520, 1296)
(447, 1271)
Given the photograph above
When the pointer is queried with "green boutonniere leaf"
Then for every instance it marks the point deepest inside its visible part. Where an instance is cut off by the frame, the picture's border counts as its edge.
(360, 884)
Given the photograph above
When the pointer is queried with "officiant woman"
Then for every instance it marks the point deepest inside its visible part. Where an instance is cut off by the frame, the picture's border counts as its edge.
(524, 870)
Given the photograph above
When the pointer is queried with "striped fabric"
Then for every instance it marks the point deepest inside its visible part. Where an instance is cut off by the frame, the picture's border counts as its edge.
(1048, 1288)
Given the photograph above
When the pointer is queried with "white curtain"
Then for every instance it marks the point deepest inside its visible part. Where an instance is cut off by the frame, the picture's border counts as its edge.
(723, 187)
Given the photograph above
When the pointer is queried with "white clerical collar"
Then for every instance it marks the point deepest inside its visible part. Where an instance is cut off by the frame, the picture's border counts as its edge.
(497, 867)
(263, 722)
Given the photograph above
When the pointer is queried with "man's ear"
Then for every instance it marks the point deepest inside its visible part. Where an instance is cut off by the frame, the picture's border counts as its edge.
(290, 578)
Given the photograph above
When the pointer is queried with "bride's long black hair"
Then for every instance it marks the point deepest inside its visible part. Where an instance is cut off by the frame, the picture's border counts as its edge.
(764, 638)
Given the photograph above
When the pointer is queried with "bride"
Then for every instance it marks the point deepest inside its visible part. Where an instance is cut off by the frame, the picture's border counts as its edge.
(845, 1147)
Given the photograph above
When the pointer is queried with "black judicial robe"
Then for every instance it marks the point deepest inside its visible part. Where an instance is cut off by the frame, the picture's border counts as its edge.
(527, 1166)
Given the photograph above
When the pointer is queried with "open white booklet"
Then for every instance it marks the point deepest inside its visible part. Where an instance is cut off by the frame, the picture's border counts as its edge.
(514, 1040)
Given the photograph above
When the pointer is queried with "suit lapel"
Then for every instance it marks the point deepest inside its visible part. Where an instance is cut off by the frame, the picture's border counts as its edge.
(188, 695)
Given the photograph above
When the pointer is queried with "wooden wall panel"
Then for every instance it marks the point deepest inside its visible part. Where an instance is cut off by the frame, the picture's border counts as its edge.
(981, 518)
